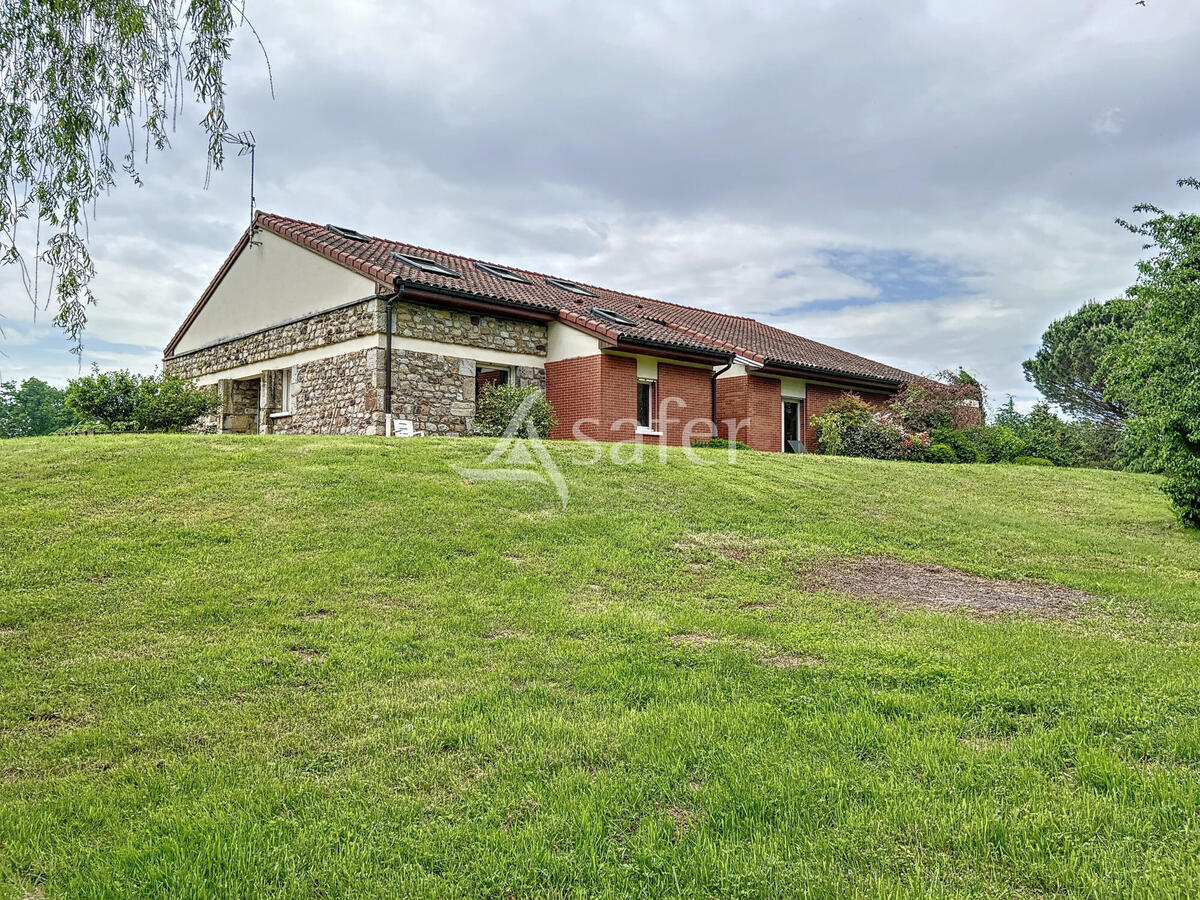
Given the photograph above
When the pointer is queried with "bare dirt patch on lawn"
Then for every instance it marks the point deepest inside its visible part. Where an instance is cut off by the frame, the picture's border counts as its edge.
(730, 545)
(930, 586)
(693, 640)
(792, 661)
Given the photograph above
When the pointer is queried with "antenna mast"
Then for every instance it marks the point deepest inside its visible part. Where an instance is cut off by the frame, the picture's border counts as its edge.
(244, 141)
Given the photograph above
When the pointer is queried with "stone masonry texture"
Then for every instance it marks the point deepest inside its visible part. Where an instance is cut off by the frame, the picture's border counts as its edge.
(344, 394)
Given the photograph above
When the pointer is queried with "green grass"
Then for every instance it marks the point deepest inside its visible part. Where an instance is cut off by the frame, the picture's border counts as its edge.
(332, 667)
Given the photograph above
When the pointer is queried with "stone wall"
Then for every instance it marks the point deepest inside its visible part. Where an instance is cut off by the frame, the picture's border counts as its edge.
(343, 324)
(438, 392)
(336, 395)
(344, 394)
(451, 326)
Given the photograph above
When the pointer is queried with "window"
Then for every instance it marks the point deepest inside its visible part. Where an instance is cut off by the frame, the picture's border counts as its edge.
(646, 391)
(501, 272)
(611, 316)
(425, 265)
(489, 376)
(569, 286)
(286, 403)
(349, 233)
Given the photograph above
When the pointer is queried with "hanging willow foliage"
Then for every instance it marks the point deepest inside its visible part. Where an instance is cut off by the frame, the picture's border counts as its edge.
(77, 78)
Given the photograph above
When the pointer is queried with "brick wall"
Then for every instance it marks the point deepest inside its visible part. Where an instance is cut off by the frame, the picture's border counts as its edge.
(684, 393)
(600, 387)
(756, 407)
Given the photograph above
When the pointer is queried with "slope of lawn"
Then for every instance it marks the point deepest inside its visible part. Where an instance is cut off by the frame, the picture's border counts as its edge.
(325, 667)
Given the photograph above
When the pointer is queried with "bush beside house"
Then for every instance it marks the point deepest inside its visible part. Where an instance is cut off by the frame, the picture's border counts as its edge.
(500, 405)
(121, 401)
(924, 424)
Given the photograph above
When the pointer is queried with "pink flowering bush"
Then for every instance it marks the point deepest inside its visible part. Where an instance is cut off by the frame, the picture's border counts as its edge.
(851, 427)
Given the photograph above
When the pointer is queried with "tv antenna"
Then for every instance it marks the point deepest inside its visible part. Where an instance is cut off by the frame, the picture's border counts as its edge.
(244, 141)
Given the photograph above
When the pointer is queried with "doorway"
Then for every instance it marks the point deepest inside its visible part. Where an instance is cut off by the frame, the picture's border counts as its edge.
(793, 426)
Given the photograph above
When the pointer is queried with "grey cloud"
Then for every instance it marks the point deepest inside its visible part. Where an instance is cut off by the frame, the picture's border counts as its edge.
(694, 151)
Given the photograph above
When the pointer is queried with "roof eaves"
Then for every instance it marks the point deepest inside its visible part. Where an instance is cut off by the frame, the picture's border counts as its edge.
(831, 373)
(399, 282)
(570, 317)
(635, 341)
(732, 348)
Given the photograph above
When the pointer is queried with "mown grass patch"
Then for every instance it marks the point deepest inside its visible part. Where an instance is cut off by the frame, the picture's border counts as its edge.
(334, 667)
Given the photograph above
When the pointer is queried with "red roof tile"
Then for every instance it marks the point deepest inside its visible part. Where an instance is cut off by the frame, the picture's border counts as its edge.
(656, 322)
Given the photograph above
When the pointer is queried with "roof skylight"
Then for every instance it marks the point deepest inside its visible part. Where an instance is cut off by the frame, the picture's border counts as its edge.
(610, 315)
(569, 286)
(349, 233)
(501, 272)
(425, 265)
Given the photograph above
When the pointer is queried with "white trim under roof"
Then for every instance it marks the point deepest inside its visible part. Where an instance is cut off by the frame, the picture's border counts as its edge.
(503, 358)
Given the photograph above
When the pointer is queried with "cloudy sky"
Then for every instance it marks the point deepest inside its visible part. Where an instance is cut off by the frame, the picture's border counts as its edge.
(926, 182)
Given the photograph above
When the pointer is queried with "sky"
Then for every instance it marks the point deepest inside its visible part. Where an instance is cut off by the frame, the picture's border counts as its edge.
(928, 183)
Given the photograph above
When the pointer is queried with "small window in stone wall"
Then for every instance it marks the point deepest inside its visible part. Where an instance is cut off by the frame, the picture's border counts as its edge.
(286, 402)
(487, 376)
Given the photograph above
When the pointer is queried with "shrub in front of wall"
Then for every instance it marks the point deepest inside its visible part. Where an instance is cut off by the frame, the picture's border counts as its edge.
(939, 453)
(171, 403)
(719, 444)
(923, 407)
(851, 427)
(500, 405)
(874, 439)
(840, 419)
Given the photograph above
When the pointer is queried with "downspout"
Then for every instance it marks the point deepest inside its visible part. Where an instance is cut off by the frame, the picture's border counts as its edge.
(715, 375)
(387, 363)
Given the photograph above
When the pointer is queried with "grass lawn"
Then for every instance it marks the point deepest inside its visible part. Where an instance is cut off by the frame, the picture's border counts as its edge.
(326, 667)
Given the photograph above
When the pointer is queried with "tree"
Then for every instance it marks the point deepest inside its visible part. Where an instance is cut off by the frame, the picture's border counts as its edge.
(1156, 372)
(939, 401)
(1067, 369)
(127, 402)
(105, 397)
(35, 408)
(76, 74)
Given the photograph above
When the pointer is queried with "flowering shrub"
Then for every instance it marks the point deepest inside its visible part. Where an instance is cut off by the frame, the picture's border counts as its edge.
(851, 427)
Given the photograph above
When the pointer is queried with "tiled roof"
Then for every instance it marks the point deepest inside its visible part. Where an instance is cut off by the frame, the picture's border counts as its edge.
(655, 322)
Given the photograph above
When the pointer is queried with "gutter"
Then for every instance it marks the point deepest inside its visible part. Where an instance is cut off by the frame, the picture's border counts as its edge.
(387, 362)
(630, 343)
(835, 374)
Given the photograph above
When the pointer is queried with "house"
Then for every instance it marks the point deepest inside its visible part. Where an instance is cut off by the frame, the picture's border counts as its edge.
(318, 329)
